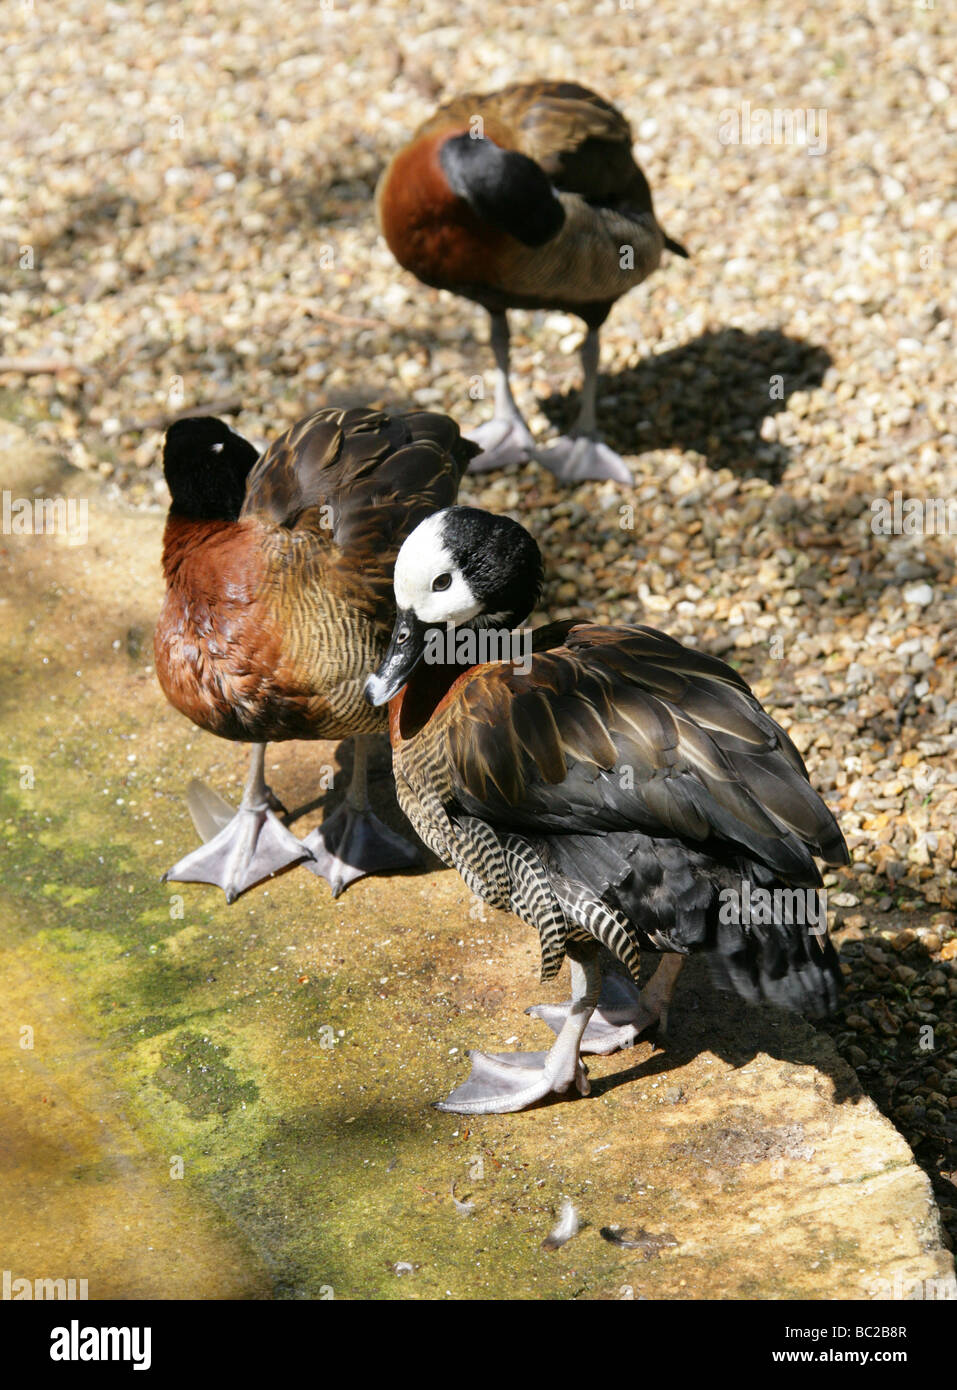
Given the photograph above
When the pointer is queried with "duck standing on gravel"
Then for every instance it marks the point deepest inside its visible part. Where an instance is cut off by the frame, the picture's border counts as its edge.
(527, 198)
(279, 604)
(613, 788)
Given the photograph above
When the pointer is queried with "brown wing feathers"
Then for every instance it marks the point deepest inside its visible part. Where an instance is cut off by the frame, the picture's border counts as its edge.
(272, 623)
(637, 778)
(602, 736)
(345, 459)
(351, 485)
(584, 145)
(580, 140)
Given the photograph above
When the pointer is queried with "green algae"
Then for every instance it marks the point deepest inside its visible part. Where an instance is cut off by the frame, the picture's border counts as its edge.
(307, 1187)
(195, 1072)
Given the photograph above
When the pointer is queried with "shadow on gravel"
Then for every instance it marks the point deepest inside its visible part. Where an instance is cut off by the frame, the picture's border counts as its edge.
(898, 1027)
(91, 221)
(704, 1019)
(709, 396)
(381, 796)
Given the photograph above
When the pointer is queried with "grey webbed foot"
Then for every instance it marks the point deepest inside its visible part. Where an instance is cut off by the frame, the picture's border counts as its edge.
(575, 458)
(623, 1014)
(504, 1082)
(352, 843)
(210, 812)
(241, 847)
(503, 440)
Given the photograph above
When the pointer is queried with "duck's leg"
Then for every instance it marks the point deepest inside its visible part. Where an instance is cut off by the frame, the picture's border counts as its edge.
(353, 842)
(623, 1012)
(505, 438)
(508, 1081)
(241, 847)
(581, 454)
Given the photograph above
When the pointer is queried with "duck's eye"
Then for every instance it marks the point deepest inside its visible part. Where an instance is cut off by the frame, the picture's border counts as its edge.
(441, 581)
(401, 636)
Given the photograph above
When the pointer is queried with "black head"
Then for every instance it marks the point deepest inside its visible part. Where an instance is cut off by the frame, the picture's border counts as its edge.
(503, 187)
(206, 466)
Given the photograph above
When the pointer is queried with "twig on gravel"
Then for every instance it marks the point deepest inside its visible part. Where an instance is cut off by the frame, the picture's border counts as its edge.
(141, 350)
(37, 366)
(312, 308)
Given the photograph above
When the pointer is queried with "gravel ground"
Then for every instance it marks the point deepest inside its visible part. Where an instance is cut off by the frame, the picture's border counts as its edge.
(186, 221)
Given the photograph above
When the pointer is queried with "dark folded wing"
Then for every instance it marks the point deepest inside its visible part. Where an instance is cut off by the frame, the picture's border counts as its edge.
(356, 482)
(581, 141)
(623, 728)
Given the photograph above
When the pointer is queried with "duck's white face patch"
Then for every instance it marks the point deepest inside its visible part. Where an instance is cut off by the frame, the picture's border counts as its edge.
(423, 559)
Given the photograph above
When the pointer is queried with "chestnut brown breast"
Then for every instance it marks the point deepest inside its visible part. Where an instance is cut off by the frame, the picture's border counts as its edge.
(432, 233)
(218, 643)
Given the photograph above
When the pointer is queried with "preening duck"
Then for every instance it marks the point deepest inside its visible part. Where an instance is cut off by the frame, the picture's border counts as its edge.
(610, 787)
(528, 197)
(279, 604)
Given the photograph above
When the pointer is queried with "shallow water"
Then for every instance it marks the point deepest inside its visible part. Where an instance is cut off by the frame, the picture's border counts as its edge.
(82, 1197)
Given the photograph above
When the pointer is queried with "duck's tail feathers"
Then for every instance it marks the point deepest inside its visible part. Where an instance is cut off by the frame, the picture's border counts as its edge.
(787, 964)
(676, 248)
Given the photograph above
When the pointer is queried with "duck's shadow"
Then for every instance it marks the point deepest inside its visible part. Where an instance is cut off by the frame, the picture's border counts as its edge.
(709, 396)
(382, 799)
(705, 1019)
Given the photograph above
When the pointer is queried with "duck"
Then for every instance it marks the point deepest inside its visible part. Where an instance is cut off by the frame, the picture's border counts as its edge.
(279, 603)
(527, 197)
(614, 789)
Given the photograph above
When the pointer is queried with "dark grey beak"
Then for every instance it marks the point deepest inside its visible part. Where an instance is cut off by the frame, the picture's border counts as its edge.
(406, 649)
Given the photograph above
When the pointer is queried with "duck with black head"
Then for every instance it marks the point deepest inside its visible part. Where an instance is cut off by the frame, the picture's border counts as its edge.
(279, 603)
(615, 790)
(528, 197)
